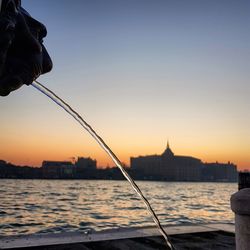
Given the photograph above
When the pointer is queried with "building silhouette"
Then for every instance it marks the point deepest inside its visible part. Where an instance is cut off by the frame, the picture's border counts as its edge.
(164, 167)
(10, 171)
(171, 167)
(85, 163)
(57, 169)
(85, 168)
(219, 172)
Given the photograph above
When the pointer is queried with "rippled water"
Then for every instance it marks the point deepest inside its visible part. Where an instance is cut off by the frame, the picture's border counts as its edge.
(42, 206)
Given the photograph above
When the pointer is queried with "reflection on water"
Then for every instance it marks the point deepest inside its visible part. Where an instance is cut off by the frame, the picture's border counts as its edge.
(42, 206)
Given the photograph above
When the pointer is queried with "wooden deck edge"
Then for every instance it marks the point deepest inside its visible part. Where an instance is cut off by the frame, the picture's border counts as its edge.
(11, 242)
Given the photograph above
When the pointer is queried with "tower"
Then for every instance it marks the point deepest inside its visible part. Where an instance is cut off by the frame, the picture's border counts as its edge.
(168, 152)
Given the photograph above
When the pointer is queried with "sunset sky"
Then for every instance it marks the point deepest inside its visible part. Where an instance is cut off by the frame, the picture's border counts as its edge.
(141, 72)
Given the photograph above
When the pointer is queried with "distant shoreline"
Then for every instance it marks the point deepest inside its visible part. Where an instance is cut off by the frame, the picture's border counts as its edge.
(85, 169)
(82, 179)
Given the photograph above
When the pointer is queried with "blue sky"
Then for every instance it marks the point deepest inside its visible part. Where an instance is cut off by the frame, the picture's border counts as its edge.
(140, 72)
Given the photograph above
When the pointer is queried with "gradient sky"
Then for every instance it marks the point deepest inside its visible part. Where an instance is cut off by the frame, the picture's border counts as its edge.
(140, 72)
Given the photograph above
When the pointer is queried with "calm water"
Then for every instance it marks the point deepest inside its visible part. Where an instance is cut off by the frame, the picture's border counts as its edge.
(42, 206)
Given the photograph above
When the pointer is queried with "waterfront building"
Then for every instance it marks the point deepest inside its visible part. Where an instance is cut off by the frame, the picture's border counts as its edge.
(58, 169)
(86, 163)
(3, 163)
(85, 168)
(8, 170)
(219, 172)
(166, 166)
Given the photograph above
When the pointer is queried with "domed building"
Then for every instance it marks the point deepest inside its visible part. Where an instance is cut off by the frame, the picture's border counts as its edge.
(166, 166)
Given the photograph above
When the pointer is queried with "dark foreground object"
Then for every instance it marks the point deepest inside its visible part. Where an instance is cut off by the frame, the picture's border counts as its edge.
(205, 237)
(244, 180)
(23, 57)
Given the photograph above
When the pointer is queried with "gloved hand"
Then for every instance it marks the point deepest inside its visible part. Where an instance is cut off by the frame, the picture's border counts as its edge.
(23, 58)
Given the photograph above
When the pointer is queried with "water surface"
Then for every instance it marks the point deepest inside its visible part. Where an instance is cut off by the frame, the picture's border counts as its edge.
(43, 206)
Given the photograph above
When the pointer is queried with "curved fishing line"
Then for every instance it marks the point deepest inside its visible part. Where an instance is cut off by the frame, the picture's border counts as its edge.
(104, 146)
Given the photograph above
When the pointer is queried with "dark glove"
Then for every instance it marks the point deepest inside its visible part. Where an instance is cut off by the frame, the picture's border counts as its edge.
(23, 58)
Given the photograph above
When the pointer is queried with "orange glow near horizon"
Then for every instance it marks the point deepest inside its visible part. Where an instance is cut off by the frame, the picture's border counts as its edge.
(103, 163)
(138, 76)
(61, 139)
(19, 156)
